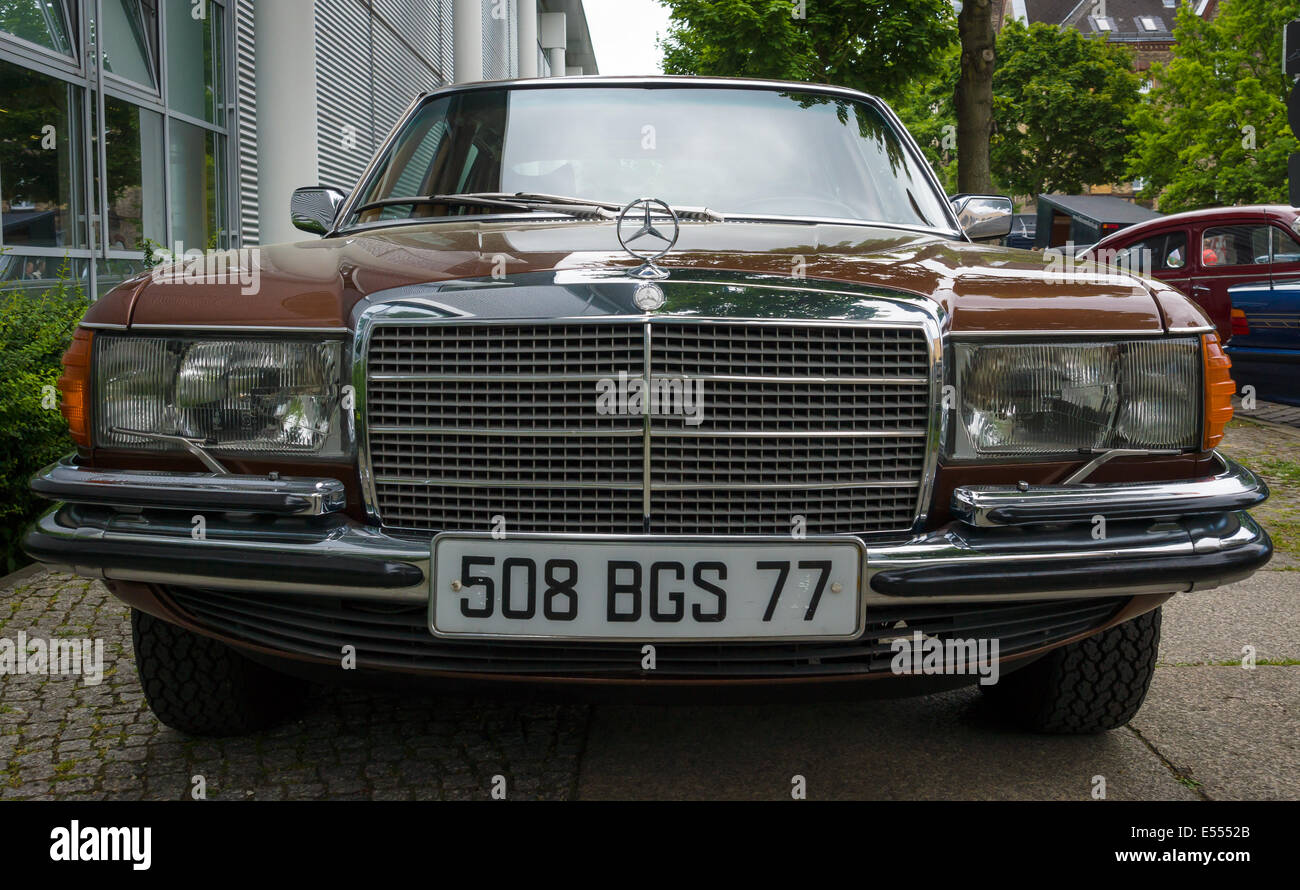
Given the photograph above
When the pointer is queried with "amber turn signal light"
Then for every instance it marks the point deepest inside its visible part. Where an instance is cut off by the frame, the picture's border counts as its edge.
(1219, 389)
(75, 386)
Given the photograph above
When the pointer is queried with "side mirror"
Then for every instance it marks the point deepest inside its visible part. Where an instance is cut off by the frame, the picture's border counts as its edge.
(984, 217)
(315, 208)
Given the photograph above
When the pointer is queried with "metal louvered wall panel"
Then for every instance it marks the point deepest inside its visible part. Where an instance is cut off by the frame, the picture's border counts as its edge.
(345, 120)
(246, 98)
(372, 59)
(500, 39)
(400, 75)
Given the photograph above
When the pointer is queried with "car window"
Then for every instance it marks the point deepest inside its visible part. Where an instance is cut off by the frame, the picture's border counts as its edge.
(1159, 253)
(1244, 245)
(732, 150)
(1285, 247)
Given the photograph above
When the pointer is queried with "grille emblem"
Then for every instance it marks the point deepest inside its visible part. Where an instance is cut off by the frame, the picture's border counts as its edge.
(648, 297)
(637, 220)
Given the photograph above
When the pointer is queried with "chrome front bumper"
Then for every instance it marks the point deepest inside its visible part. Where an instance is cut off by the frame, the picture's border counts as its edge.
(1008, 543)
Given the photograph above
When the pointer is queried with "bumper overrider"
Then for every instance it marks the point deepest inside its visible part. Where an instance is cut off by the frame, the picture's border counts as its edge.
(288, 535)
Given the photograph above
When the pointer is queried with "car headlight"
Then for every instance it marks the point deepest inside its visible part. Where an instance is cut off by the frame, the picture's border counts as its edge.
(258, 397)
(1061, 397)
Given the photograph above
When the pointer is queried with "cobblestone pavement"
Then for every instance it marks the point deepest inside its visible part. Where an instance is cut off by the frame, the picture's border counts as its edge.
(61, 738)
(1270, 412)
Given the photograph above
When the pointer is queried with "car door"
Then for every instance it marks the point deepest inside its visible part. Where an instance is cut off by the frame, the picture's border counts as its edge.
(1161, 254)
(1285, 265)
(1228, 253)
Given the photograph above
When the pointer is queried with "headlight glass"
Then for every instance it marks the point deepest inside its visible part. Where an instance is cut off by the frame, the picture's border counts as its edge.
(247, 396)
(1060, 397)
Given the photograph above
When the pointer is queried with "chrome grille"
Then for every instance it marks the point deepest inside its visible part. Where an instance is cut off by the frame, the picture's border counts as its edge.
(466, 421)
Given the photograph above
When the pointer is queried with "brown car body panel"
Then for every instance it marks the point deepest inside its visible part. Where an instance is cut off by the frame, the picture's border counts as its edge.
(981, 289)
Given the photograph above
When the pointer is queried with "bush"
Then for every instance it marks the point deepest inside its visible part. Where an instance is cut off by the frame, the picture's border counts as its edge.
(34, 332)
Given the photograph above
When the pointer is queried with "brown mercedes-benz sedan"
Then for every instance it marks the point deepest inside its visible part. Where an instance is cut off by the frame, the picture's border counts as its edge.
(661, 383)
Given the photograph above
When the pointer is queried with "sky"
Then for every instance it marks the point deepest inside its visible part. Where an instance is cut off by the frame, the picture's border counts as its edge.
(625, 33)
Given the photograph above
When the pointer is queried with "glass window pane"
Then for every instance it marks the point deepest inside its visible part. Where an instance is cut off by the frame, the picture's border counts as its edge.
(198, 177)
(110, 273)
(41, 199)
(133, 146)
(129, 41)
(37, 274)
(1285, 248)
(1234, 246)
(42, 22)
(194, 60)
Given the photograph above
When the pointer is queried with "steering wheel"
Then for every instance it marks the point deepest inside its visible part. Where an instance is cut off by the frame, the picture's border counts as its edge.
(781, 205)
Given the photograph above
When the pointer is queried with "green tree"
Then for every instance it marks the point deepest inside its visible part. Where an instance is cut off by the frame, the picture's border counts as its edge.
(1062, 103)
(1213, 130)
(928, 109)
(876, 46)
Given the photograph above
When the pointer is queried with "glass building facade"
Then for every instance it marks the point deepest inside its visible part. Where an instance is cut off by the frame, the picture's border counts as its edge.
(134, 124)
(115, 134)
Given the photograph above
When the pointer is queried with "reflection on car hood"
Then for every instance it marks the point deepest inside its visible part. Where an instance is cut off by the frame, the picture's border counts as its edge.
(979, 288)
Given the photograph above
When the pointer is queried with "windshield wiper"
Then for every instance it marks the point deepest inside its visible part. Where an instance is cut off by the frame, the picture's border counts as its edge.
(499, 202)
(530, 202)
(694, 213)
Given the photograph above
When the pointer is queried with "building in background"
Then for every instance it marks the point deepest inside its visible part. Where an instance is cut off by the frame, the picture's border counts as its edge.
(125, 123)
(1144, 26)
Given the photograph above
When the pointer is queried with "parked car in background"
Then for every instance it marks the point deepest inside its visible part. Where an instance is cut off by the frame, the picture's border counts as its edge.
(1205, 253)
(1023, 226)
(1265, 348)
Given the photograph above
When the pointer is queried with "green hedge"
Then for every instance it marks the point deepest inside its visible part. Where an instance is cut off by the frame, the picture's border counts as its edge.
(34, 332)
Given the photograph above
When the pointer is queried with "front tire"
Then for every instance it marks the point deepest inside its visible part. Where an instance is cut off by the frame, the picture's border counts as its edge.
(202, 687)
(1092, 685)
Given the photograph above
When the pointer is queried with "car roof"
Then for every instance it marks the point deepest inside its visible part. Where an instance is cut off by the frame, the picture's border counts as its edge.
(1277, 211)
(661, 81)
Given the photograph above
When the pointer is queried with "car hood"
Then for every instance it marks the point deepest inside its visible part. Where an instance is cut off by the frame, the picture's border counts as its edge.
(316, 284)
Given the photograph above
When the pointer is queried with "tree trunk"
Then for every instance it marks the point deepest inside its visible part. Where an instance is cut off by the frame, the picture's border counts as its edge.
(974, 97)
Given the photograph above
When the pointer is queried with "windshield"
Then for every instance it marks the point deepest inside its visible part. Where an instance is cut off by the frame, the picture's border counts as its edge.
(740, 152)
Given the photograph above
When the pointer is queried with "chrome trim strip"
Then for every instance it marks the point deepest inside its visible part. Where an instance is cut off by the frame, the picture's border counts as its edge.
(640, 486)
(647, 488)
(194, 492)
(593, 378)
(502, 431)
(240, 328)
(1232, 487)
(658, 431)
(1202, 329)
(1017, 335)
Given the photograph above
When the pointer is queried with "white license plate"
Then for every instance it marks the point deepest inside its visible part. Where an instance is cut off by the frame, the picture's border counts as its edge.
(645, 589)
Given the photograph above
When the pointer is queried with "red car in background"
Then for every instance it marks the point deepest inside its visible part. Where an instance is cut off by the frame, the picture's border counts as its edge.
(1205, 252)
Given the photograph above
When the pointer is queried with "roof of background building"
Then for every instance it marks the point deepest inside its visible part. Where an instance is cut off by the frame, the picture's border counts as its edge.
(1126, 20)
(1100, 208)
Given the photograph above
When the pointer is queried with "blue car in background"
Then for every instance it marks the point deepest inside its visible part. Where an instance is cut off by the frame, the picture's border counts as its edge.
(1265, 344)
